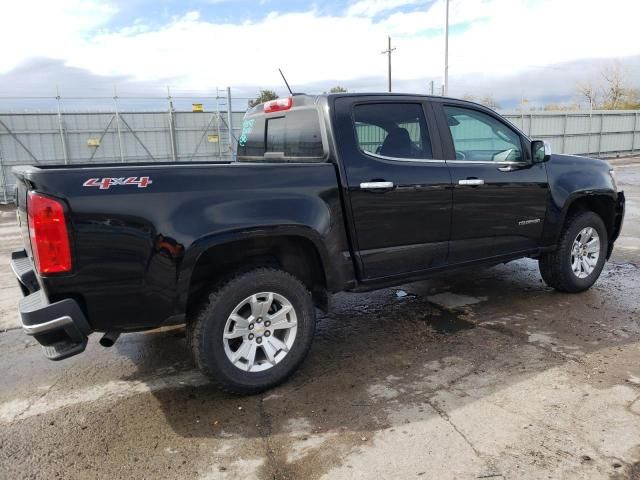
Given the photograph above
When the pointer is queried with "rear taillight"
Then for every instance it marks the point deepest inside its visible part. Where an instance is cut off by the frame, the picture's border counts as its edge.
(278, 105)
(49, 235)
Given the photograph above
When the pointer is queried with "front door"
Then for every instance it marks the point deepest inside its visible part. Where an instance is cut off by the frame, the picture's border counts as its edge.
(499, 195)
(399, 187)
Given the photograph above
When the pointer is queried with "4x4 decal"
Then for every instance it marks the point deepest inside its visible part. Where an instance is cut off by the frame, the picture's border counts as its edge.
(106, 183)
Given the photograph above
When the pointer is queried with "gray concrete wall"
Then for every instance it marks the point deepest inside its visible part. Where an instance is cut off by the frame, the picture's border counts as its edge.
(599, 133)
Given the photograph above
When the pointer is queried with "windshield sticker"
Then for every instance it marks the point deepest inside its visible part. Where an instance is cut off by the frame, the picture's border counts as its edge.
(247, 126)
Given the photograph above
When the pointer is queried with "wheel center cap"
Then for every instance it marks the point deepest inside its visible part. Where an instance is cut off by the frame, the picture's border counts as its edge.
(259, 329)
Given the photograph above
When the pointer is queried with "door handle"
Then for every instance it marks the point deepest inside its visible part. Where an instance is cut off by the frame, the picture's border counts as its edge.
(471, 181)
(376, 185)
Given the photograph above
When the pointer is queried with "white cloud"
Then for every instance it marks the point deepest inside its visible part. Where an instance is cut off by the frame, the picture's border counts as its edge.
(518, 34)
(50, 28)
(370, 8)
(499, 38)
(433, 17)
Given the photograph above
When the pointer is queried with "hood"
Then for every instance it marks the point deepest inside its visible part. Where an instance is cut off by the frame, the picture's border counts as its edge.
(579, 161)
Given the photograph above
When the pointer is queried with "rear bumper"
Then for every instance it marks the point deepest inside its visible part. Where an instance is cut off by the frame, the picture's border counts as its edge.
(60, 327)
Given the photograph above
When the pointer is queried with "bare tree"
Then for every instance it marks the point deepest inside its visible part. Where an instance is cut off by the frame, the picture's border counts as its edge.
(632, 100)
(589, 93)
(337, 89)
(561, 107)
(615, 90)
(489, 101)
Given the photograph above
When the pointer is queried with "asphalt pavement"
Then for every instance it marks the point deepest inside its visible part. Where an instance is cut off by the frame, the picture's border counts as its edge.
(489, 374)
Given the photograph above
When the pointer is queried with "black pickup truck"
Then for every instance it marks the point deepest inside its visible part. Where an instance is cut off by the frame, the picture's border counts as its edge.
(343, 192)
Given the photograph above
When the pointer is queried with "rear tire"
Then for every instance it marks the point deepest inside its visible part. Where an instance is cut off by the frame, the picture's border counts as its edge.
(253, 331)
(576, 264)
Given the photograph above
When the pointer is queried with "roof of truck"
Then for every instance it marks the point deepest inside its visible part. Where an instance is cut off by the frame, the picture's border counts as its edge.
(374, 94)
(303, 99)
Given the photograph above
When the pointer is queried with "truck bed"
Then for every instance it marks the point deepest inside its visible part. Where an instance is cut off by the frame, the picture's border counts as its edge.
(134, 246)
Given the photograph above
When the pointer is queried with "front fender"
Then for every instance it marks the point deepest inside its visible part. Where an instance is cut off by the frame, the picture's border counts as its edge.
(572, 179)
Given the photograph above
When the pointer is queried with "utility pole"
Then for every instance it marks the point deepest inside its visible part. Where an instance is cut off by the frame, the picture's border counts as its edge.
(445, 86)
(230, 122)
(388, 52)
(65, 153)
(172, 128)
(117, 115)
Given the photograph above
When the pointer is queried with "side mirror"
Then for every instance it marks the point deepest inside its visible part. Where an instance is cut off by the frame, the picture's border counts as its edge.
(540, 151)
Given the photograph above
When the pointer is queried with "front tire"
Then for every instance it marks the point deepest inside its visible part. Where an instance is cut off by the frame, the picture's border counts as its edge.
(579, 259)
(253, 331)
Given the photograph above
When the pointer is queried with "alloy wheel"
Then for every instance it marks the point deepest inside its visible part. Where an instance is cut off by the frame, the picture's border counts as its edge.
(585, 252)
(260, 331)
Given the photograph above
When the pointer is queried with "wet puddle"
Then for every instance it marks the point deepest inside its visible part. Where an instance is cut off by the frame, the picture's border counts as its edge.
(448, 321)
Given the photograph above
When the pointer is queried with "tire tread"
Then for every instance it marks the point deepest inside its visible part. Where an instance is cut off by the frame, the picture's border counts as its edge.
(195, 328)
(551, 263)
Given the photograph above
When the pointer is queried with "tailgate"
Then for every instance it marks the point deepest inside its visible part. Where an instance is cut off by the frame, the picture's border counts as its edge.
(21, 210)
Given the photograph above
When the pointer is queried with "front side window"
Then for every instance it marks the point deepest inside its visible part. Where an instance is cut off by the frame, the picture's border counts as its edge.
(481, 137)
(392, 130)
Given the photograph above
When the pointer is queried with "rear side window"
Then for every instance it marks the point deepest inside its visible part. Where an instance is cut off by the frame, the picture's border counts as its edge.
(392, 130)
(294, 136)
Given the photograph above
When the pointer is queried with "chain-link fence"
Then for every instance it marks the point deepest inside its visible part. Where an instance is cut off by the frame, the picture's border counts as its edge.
(115, 130)
(131, 129)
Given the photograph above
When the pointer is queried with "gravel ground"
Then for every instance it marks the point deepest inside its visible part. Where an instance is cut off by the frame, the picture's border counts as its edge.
(486, 375)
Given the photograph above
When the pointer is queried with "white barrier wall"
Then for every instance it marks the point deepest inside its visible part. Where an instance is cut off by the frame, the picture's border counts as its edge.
(51, 138)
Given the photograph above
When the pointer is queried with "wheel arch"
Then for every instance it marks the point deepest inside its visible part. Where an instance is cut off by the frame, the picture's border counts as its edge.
(295, 251)
(603, 204)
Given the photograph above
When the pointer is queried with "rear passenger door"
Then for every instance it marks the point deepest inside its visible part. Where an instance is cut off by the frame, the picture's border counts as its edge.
(499, 194)
(398, 184)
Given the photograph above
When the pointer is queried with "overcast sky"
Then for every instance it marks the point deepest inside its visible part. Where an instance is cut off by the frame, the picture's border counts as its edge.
(511, 49)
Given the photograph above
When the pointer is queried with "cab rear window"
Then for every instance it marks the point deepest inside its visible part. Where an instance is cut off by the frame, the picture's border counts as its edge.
(294, 136)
